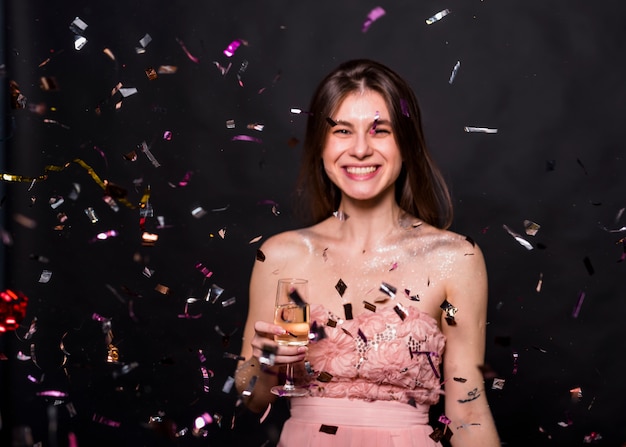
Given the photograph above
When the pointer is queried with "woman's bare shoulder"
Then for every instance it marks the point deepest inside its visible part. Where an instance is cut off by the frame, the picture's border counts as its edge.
(445, 242)
(292, 244)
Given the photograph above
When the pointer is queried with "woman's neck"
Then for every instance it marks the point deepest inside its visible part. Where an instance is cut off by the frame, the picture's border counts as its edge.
(367, 228)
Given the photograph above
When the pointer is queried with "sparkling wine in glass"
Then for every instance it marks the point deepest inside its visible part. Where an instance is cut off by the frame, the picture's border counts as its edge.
(292, 313)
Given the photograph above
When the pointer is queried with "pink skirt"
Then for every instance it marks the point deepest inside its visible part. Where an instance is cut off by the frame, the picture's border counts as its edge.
(329, 422)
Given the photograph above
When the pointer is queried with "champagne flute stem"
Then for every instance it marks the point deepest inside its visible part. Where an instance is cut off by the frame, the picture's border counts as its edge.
(288, 386)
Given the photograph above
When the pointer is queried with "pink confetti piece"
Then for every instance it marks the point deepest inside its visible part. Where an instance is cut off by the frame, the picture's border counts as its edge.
(205, 271)
(373, 15)
(105, 421)
(229, 51)
(184, 48)
(246, 138)
(444, 419)
(52, 393)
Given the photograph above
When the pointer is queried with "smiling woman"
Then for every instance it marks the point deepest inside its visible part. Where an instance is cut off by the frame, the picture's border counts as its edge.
(380, 215)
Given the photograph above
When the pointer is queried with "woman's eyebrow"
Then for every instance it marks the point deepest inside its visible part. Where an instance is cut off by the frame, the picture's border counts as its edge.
(377, 121)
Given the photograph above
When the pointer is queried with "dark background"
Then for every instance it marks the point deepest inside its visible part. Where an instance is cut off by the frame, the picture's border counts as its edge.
(548, 75)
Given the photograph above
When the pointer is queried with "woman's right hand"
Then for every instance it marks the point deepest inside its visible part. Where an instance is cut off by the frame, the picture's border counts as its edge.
(264, 336)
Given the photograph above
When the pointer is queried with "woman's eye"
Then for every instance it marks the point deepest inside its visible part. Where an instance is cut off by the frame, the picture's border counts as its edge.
(341, 131)
(380, 131)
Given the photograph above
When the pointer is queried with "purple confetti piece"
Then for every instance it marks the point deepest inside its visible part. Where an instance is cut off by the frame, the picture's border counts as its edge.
(579, 303)
(373, 15)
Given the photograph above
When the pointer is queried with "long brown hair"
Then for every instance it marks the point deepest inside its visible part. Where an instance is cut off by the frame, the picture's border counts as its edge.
(420, 188)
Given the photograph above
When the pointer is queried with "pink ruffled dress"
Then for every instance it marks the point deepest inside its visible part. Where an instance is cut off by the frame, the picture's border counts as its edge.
(372, 380)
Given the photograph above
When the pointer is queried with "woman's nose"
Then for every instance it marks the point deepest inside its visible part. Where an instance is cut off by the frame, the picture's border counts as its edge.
(361, 147)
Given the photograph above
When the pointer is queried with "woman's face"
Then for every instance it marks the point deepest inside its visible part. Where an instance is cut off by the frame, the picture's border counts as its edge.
(361, 156)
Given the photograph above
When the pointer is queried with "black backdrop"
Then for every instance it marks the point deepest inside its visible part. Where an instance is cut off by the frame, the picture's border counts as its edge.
(549, 76)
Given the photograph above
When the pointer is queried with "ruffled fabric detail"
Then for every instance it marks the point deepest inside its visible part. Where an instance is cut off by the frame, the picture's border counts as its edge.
(377, 356)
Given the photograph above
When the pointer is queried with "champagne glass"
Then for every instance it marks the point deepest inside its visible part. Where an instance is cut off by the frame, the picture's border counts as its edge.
(292, 313)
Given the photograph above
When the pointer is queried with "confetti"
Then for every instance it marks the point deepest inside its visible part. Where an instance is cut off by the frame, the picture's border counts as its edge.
(531, 227)
(204, 270)
(388, 289)
(470, 129)
(373, 15)
(455, 71)
(229, 51)
(401, 311)
(184, 48)
(268, 355)
(13, 306)
(221, 68)
(347, 308)
(438, 434)
(329, 429)
(229, 302)
(45, 276)
(246, 138)
(450, 312)
(167, 69)
(78, 26)
(444, 419)
(576, 394)
(143, 147)
(435, 18)
(324, 377)
(164, 290)
(79, 42)
(588, 266)
(369, 306)
(375, 123)
(404, 106)
(579, 304)
(341, 287)
(523, 242)
(497, 384)
(341, 215)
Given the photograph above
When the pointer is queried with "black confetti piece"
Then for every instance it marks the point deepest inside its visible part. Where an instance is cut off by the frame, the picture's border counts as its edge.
(369, 306)
(347, 308)
(260, 256)
(325, 377)
(330, 429)
(341, 287)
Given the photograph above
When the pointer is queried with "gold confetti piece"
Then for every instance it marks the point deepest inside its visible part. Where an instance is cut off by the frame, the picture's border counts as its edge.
(148, 239)
(151, 73)
(109, 53)
(162, 289)
(52, 168)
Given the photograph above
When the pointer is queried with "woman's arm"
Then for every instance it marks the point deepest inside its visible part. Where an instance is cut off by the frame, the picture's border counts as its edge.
(259, 330)
(465, 395)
